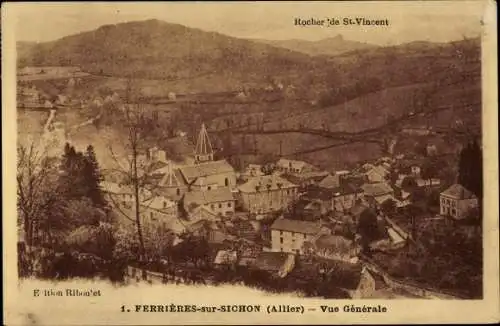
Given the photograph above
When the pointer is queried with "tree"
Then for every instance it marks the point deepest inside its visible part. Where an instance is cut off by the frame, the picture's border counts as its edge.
(368, 228)
(98, 240)
(388, 207)
(409, 184)
(93, 178)
(36, 190)
(470, 169)
(139, 132)
(429, 170)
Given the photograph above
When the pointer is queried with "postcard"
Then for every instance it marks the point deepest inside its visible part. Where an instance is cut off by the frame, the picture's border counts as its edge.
(314, 162)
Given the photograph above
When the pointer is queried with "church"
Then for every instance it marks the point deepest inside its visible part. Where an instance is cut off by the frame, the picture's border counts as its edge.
(207, 174)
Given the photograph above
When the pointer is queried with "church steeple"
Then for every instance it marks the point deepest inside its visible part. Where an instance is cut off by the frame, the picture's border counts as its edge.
(203, 151)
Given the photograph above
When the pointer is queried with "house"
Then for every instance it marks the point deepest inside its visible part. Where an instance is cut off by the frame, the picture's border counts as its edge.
(330, 181)
(344, 197)
(171, 184)
(209, 175)
(293, 166)
(306, 178)
(160, 211)
(457, 201)
(376, 174)
(198, 213)
(220, 200)
(377, 193)
(335, 247)
(267, 193)
(213, 231)
(48, 105)
(252, 170)
(415, 170)
(122, 195)
(428, 182)
(171, 96)
(289, 235)
(154, 154)
(276, 263)
(225, 258)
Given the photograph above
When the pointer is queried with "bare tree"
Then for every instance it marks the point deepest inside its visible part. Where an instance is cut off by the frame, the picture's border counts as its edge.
(136, 172)
(34, 197)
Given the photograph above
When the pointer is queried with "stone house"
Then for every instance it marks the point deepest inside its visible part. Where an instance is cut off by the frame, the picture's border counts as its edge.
(267, 193)
(220, 200)
(289, 235)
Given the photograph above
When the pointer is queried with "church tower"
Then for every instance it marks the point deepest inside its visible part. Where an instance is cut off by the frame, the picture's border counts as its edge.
(203, 151)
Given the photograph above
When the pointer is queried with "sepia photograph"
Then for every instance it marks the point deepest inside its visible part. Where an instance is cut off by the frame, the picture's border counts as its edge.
(322, 151)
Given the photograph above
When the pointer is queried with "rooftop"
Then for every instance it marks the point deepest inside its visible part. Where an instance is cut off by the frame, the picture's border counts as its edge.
(192, 172)
(265, 183)
(172, 178)
(330, 181)
(376, 189)
(458, 191)
(294, 164)
(297, 226)
(208, 196)
(271, 261)
(158, 203)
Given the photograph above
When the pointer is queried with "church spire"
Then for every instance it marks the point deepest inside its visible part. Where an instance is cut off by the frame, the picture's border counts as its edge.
(203, 151)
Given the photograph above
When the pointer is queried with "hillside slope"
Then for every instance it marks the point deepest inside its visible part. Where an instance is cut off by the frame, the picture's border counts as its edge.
(155, 49)
(328, 46)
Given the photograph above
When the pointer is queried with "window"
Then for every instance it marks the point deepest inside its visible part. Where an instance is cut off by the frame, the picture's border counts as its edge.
(281, 233)
(178, 191)
(220, 205)
(281, 240)
(212, 206)
(226, 182)
(229, 204)
(151, 214)
(209, 187)
(164, 204)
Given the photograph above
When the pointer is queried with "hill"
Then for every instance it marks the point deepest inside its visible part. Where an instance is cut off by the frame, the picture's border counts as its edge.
(351, 92)
(155, 49)
(328, 46)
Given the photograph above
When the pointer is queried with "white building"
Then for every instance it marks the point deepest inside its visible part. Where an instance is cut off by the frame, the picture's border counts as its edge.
(457, 202)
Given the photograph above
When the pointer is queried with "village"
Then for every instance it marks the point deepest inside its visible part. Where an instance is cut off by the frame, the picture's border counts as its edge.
(290, 217)
(284, 225)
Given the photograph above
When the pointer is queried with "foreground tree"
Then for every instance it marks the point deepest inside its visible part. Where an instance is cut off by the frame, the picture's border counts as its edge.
(470, 165)
(135, 169)
(35, 190)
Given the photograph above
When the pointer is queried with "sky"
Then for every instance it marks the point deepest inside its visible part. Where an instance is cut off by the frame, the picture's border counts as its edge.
(437, 21)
